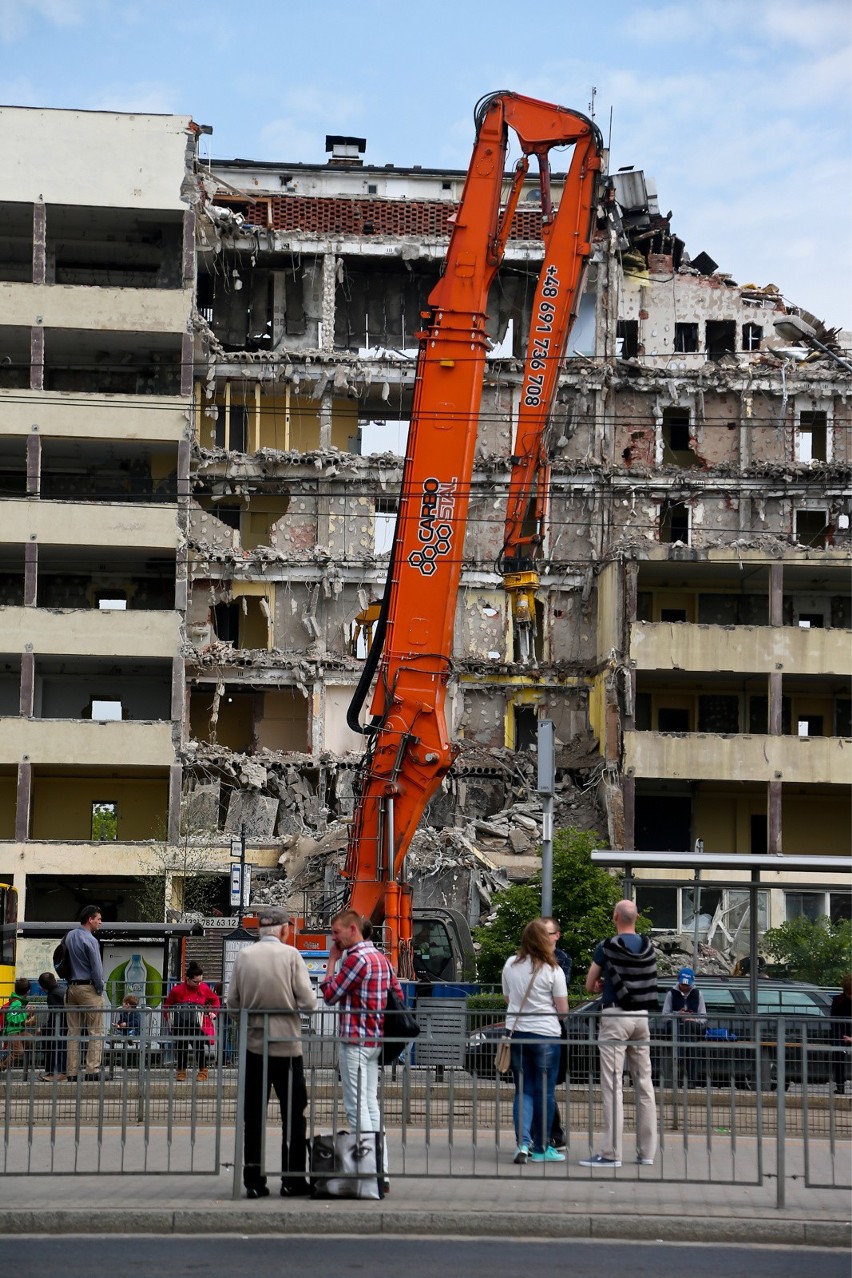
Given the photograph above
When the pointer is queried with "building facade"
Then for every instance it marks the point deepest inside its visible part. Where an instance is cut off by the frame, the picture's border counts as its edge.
(694, 616)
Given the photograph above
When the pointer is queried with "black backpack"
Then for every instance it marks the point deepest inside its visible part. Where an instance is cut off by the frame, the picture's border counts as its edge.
(62, 961)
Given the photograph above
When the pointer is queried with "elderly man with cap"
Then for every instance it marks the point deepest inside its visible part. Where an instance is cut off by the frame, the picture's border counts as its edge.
(685, 1011)
(271, 977)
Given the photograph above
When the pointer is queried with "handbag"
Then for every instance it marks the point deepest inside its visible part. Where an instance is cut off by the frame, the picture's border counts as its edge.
(400, 1027)
(347, 1166)
(503, 1054)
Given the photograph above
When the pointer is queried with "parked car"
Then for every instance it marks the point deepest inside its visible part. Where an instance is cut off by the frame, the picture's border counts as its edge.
(723, 1051)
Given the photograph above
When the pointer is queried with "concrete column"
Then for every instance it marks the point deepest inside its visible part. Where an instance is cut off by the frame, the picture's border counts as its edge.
(30, 574)
(186, 366)
(325, 418)
(775, 703)
(628, 794)
(175, 785)
(27, 684)
(36, 359)
(23, 801)
(776, 595)
(33, 464)
(189, 247)
(329, 288)
(39, 244)
(774, 833)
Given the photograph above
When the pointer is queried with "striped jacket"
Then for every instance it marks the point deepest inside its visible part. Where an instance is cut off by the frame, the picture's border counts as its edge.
(633, 975)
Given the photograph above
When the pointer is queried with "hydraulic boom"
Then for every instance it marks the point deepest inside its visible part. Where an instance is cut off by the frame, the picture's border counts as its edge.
(409, 749)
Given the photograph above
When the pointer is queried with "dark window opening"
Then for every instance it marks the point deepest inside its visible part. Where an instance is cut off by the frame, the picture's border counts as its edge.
(229, 515)
(628, 333)
(663, 823)
(720, 338)
(642, 712)
(733, 610)
(843, 717)
(719, 714)
(644, 606)
(674, 523)
(659, 904)
(840, 906)
(758, 715)
(752, 337)
(811, 527)
(809, 725)
(226, 622)
(677, 449)
(526, 727)
(672, 719)
(811, 621)
(235, 417)
(686, 338)
(759, 842)
(672, 614)
(812, 437)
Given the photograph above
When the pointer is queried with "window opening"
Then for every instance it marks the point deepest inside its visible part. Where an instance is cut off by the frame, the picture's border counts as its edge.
(111, 601)
(812, 437)
(226, 622)
(811, 527)
(526, 727)
(686, 338)
(719, 714)
(106, 710)
(843, 717)
(810, 725)
(811, 621)
(677, 448)
(752, 337)
(229, 515)
(627, 333)
(104, 820)
(672, 719)
(672, 614)
(674, 522)
(719, 338)
(384, 524)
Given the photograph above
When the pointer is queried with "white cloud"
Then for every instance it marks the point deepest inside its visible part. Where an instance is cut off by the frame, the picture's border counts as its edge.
(17, 17)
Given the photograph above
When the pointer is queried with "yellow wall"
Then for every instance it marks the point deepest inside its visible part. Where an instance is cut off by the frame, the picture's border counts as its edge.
(608, 627)
(62, 806)
(235, 728)
(816, 823)
(284, 725)
(8, 800)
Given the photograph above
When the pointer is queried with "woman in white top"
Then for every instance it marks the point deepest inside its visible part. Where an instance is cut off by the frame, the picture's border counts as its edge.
(534, 987)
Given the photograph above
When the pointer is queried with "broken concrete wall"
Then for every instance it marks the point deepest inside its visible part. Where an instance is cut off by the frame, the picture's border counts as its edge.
(482, 625)
(483, 718)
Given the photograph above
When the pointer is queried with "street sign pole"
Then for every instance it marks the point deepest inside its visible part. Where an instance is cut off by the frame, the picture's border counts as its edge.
(546, 788)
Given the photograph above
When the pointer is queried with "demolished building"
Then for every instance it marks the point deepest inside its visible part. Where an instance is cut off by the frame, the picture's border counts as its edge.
(693, 621)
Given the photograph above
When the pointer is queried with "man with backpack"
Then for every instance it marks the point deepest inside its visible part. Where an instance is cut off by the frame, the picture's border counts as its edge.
(624, 972)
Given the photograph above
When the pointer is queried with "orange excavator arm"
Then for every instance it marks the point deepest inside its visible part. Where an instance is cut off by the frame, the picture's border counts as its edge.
(409, 749)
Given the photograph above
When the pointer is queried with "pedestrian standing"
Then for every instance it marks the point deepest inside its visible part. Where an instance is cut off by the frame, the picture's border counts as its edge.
(84, 1000)
(57, 1043)
(624, 971)
(535, 988)
(563, 958)
(190, 1004)
(841, 1032)
(271, 977)
(360, 986)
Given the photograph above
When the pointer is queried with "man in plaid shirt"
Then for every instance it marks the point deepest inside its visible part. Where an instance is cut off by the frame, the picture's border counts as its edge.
(361, 987)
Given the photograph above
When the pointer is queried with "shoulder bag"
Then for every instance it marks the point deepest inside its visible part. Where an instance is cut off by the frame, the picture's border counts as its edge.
(503, 1055)
(400, 1027)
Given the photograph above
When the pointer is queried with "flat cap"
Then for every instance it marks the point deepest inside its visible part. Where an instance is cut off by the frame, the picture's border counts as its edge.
(272, 916)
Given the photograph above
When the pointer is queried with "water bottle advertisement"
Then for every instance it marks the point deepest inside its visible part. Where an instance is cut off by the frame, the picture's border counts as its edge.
(134, 969)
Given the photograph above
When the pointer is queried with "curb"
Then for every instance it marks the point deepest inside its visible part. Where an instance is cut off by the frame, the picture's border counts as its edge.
(778, 1230)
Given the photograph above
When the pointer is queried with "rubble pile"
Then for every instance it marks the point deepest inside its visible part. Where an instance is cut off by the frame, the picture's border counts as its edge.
(674, 951)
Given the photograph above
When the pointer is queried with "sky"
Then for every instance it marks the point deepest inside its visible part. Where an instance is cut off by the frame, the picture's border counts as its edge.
(741, 110)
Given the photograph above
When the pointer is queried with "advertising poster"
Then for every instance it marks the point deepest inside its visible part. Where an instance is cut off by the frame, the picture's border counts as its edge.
(133, 969)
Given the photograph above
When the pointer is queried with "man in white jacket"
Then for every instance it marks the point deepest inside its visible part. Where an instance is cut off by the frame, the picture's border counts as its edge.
(271, 977)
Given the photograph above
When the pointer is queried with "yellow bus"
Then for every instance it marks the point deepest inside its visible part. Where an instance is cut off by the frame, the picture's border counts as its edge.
(8, 938)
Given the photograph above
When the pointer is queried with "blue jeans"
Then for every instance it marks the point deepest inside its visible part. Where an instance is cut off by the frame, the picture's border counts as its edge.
(535, 1063)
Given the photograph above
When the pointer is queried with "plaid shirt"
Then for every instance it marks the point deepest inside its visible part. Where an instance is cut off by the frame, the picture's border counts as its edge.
(360, 985)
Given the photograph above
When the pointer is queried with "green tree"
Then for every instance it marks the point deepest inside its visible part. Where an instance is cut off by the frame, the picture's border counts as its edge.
(818, 951)
(583, 898)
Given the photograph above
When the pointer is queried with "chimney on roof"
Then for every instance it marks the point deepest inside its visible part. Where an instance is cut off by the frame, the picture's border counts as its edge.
(345, 152)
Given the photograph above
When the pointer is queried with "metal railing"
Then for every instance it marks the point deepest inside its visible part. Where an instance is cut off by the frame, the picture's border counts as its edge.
(748, 1110)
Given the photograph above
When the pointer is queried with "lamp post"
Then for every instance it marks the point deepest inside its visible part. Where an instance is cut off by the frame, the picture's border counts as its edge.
(794, 329)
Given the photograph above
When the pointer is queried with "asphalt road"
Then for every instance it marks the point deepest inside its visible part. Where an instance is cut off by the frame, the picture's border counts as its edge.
(224, 1256)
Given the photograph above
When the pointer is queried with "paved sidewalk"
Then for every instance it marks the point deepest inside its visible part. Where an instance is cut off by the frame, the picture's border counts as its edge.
(670, 1201)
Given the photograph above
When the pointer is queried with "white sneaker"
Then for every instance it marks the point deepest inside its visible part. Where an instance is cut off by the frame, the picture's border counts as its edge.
(644, 1162)
(598, 1160)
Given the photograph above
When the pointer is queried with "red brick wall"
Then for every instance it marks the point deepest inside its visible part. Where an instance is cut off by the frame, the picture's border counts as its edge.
(341, 215)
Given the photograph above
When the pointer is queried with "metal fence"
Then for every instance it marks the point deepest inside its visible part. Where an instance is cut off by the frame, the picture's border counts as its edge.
(763, 1106)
